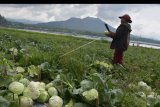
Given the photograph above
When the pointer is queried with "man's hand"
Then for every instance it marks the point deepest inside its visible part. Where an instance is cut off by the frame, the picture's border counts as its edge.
(106, 33)
(109, 34)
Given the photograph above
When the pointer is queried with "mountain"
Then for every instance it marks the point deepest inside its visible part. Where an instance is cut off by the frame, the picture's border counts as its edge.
(24, 21)
(86, 24)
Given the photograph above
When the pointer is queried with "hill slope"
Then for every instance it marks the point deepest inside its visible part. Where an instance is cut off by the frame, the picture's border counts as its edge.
(86, 24)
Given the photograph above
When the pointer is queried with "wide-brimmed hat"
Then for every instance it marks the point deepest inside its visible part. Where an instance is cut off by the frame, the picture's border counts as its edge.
(127, 17)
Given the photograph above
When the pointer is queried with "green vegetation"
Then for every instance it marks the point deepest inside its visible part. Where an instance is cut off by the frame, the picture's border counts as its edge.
(26, 57)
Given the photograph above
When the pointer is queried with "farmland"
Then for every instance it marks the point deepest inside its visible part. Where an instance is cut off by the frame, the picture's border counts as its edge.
(91, 65)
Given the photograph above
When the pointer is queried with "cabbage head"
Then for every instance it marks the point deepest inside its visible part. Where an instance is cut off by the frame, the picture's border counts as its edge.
(27, 92)
(55, 101)
(52, 91)
(24, 81)
(141, 83)
(90, 95)
(43, 97)
(141, 94)
(32, 90)
(151, 99)
(26, 102)
(19, 69)
(16, 87)
(144, 87)
(14, 51)
(49, 85)
(41, 86)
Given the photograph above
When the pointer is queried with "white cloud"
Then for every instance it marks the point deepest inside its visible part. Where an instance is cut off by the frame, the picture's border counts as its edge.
(146, 22)
(145, 17)
(69, 10)
(23, 13)
(48, 12)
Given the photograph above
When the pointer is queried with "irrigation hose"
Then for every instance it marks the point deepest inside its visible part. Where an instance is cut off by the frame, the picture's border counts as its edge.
(76, 48)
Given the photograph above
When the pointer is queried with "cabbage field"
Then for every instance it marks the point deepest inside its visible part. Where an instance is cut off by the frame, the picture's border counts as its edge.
(34, 72)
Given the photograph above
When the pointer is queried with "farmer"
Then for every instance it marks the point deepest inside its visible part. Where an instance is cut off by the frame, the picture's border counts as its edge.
(120, 39)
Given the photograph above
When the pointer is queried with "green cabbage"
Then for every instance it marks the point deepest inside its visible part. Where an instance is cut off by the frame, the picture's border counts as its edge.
(43, 97)
(14, 51)
(55, 101)
(24, 81)
(144, 87)
(27, 92)
(52, 91)
(90, 95)
(49, 85)
(32, 90)
(151, 99)
(16, 87)
(41, 86)
(20, 69)
(142, 94)
(26, 102)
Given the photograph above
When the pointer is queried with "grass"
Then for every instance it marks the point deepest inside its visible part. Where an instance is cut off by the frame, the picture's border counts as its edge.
(142, 64)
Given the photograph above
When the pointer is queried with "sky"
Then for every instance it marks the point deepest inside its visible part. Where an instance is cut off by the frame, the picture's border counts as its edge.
(145, 17)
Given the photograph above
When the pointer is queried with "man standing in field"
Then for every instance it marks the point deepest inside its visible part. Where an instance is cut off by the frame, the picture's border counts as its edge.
(120, 39)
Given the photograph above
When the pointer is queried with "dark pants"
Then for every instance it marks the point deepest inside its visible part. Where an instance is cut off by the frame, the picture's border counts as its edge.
(118, 57)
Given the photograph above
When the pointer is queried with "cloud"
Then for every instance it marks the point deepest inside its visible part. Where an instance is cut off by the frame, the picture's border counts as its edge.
(48, 12)
(146, 22)
(22, 12)
(111, 12)
(72, 10)
(145, 17)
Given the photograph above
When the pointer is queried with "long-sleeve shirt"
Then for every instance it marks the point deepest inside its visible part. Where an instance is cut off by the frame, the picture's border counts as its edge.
(122, 37)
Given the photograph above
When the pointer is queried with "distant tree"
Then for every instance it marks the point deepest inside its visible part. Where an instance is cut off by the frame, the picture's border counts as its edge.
(3, 21)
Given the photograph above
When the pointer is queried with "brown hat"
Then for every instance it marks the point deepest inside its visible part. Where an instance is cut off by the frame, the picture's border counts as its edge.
(127, 17)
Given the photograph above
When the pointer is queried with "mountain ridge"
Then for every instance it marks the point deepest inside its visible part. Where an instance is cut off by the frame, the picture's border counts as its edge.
(85, 24)
(25, 21)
